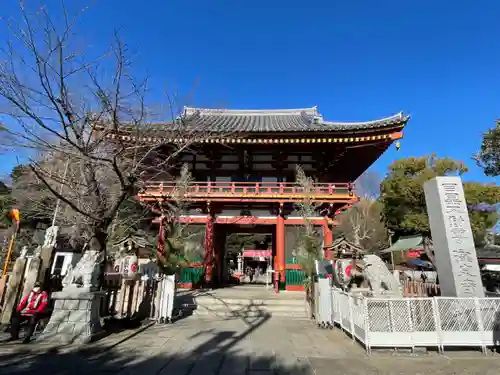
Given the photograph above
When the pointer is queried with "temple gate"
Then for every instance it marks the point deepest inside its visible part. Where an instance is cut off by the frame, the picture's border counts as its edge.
(244, 176)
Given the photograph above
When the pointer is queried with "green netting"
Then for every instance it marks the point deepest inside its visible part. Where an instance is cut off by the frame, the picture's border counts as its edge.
(295, 277)
(191, 260)
(191, 275)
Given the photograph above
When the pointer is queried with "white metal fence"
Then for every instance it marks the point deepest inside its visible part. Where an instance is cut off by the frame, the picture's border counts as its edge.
(418, 322)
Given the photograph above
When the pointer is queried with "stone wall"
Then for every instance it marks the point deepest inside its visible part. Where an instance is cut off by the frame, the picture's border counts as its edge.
(75, 318)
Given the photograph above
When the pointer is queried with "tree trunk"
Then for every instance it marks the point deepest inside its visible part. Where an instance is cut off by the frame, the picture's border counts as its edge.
(98, 243)
(12, 294)
(310, 298)
(428, 248)
(313, 299)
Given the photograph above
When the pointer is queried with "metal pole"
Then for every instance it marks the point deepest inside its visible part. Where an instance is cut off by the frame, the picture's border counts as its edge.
(58, 203)
(9, 252)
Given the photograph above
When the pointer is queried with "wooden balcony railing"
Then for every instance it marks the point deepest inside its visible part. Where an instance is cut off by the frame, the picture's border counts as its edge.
(249, 191)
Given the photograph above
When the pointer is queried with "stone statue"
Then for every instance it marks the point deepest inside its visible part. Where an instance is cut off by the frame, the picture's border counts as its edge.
(489, 240)
(24, 252)
(86, 272)
(240, 263)
(68, 278)
(78, 303)
(50, 237)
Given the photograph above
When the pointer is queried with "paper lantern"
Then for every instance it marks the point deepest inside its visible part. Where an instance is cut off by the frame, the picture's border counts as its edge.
(129, 267)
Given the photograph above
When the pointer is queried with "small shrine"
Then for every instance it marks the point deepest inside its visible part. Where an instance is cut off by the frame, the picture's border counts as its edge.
(133, 252)
(343, 249)
(133, 244)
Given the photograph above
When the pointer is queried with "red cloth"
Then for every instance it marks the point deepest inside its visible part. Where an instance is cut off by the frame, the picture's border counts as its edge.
(160, 247)
(33, 303)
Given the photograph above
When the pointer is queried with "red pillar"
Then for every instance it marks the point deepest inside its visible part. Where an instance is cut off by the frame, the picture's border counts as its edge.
(209, 248)
(219, 244)
(280, 247)
(327, 237)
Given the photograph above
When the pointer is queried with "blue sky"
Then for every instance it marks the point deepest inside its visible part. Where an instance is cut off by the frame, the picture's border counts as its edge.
(355, 60)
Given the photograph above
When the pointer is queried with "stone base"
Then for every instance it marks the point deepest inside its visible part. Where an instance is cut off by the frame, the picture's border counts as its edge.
(75, 318)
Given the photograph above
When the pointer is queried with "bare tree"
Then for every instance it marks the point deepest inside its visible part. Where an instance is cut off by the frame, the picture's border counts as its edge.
(362, 225)
(87, 132)
(368, 185)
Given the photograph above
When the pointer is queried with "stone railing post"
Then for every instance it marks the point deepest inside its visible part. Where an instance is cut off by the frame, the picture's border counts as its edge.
(14, 287)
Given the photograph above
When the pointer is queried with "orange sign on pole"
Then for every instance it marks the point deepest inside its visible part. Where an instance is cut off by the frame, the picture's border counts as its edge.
(15, 216)
(9, 252)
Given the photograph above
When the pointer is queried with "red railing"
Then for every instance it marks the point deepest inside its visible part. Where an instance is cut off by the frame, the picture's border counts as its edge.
(420, 289)
(253, 190)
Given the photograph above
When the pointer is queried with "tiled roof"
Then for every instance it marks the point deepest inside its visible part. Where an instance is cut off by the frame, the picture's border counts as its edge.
(343, 245)
(488, 252)
(280, 120)
(405, 243)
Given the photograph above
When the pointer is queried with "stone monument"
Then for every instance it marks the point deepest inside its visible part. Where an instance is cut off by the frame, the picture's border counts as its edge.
(454, 250)
(32, 270)
(13, 286)
(240, 264)
(75, 318)
(46, 252)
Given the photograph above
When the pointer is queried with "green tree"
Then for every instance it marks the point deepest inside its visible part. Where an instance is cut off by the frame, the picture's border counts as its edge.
(178, 242)
(5, 204)
(32, 197)
(402, 195)
(309, 246)
(482, 220)
(488, 157)
(236, 242)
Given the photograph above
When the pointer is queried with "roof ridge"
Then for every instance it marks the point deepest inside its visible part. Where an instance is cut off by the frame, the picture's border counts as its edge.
(189, 111)
(398, 116)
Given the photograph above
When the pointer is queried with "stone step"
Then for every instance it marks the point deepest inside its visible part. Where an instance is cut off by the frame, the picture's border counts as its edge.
(241, 301)
(239, 293)
(235, 313)
(294, 309)
(245, 301)
(275, 308)
(267, 296)
(242, 291)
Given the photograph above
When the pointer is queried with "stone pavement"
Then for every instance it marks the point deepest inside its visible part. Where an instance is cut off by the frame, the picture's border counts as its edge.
(246, 346)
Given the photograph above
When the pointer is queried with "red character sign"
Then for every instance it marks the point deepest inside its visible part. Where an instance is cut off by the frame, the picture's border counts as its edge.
(348, 270)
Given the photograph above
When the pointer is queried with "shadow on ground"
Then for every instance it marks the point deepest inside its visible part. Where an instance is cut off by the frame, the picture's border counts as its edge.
(87, 361)
(210, 347)
(110, 327)
(213, 354)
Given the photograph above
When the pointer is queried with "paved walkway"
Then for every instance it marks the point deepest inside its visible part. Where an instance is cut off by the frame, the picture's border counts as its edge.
(262, 345)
